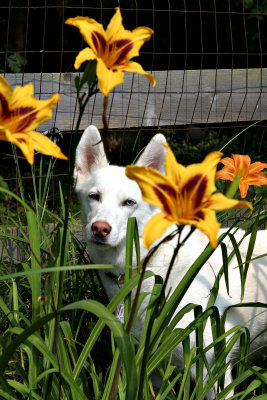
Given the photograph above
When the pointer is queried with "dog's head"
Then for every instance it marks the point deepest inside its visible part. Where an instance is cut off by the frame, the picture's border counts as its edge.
(108, 198)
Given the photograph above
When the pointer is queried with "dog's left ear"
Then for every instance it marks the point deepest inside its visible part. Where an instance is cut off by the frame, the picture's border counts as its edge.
(154, 154)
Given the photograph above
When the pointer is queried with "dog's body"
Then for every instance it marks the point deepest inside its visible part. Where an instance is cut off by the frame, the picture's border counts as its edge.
(109, 198)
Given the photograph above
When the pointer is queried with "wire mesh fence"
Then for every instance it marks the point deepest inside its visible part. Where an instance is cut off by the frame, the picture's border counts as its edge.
(209, 59)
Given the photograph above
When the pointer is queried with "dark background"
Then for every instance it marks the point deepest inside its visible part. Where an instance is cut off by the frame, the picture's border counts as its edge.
(191, 34)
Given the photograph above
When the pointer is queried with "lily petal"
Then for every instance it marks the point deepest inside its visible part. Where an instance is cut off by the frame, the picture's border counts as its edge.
(257, 167)
(23, 96)
(108, 78)
(242, 163)
(115, 27)
(5, 93)
(243, 187)
(84, 55)
(256, 179)
(229, 162)
(92, 32)
(132, 66)
(156, 188)
(23, 142)
(29, 141)
(204, 179)
(225, 174)
(155, 228)
(174, 171)
(219, 202)
(138, 37)
(27, 112)
(210, 226)
(45, 146)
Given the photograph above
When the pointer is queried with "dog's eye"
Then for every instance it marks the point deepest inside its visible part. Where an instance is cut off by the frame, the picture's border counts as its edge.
(129, 203)
(94, 196)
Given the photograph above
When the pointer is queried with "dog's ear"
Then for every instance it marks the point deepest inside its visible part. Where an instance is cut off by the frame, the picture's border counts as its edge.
(90, 154)
(154, 154)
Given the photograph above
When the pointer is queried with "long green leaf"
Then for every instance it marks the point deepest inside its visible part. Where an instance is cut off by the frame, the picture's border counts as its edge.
(23, 389)
(200, 345)
(185, 384)
(240, 263)
(123, 342)
(111, 375)
(27, 208)
(237, 381)
(131, 226)
(175, 338)
(5, 390)
(225, 265)
(174, 300)
(122, 339)
(117, 299)
(256, 304)
(251, 245)
(35, 280)
(261, 379)
(56, 269)
(31, 335)
(238, 134)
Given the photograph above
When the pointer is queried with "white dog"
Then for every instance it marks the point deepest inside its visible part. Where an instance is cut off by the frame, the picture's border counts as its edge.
(108, 198)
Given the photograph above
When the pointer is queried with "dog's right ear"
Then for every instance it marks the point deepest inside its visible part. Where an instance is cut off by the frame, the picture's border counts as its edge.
(90, 154)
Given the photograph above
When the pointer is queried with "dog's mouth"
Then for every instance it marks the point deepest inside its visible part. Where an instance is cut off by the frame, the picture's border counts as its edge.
(99, 242)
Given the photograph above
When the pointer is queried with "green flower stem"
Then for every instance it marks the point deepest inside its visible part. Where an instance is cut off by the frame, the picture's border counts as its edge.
(232, 189)
(105, 125)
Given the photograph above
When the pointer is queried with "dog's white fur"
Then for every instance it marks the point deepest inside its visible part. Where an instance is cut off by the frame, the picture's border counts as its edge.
(106, 194)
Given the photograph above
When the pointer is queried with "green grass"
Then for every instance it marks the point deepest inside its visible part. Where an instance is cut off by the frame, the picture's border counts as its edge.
(61, 339)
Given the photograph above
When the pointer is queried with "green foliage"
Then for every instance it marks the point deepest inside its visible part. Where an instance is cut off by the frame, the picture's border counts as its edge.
(189, 150)
(59, 337)
(49, 337)
(253, 6)
(16, 62)
(89, 76)
(3, 184)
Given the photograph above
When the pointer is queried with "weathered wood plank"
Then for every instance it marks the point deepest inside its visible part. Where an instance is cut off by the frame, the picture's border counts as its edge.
(180, 97)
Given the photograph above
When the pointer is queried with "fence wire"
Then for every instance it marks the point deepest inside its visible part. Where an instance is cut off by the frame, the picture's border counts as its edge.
(209, 59)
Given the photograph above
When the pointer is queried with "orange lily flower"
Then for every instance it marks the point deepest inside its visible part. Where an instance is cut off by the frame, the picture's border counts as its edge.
(20, 114)
(249, 173)
(112, 48)
(185, 196)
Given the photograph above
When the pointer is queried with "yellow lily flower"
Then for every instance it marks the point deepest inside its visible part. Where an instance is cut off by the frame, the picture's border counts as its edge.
(20, 114)
(185, 196)
(249, 173)
(112, 48)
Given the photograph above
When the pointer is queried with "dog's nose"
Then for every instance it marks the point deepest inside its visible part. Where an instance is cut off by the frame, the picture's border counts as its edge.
(101, 229)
